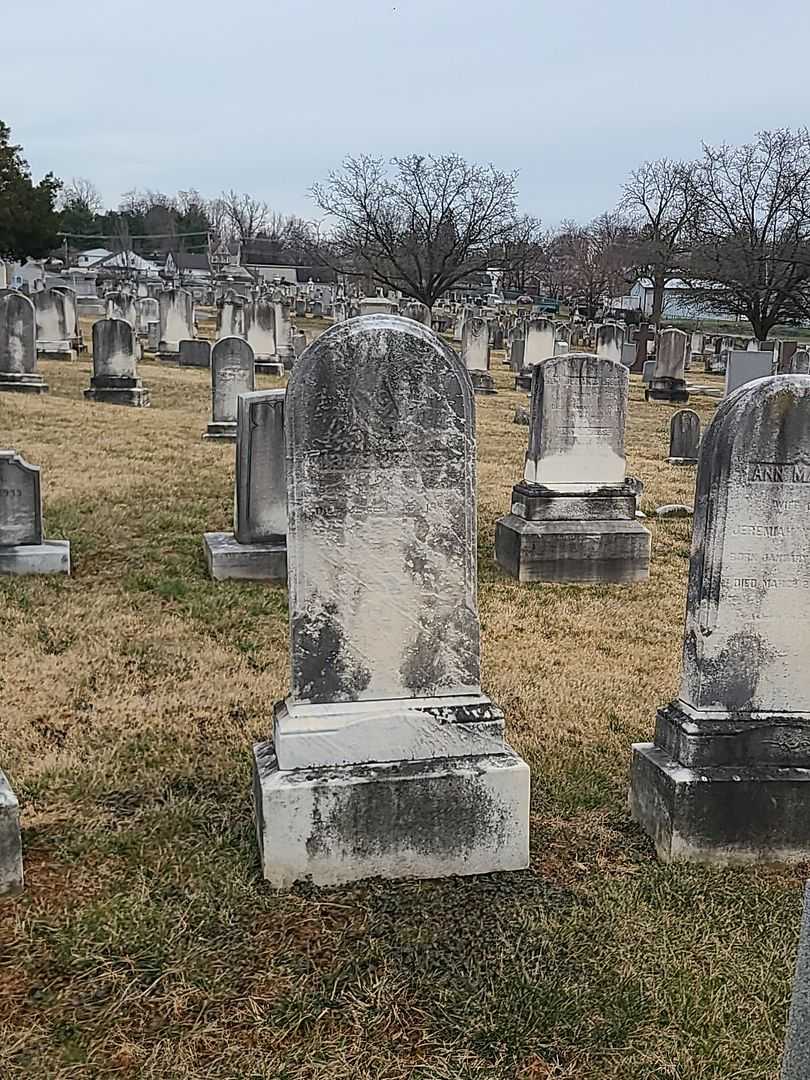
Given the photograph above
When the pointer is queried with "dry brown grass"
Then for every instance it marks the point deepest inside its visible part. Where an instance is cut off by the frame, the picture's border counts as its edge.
(147, 945)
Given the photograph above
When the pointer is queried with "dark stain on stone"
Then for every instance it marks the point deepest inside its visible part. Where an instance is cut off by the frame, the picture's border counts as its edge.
(731, 678)
(323, 670)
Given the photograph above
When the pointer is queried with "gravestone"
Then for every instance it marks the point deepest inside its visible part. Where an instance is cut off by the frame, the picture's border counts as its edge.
(539, 342)
(746, 365)
(121, 305)
(231, 319)
(796, 1060)
(377, 305)
(146, 311)
(260, 323)
(299, 342)
(195, 353)
(176, 309)
(416, 310)
(785, 356)
(283, 330)
(684, 437)
(573, 514)
(56, 324)
(232, 374)
(727, 778)
(300, 307)
(152, 336)
(668, 383)
(629, 354)
(11, 864)
(560, 348)
(610, 341)
(475, 354)
(115, 379)
(798, 363)
(71, 316)
(23, 550)
(387, 759)
(257, 548)
(645, 336)
(517, 348)
(18, 351)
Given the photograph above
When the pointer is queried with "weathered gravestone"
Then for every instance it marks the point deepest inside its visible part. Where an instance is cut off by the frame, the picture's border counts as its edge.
(23, 550)
(798, 363)
(195, 353)
(416, 310)
(56, 324)
(283, 330)
(668, 383)
(176, 308)
(257, 548)
(648, 372)
(610, 341)
(71, 316)
(260, 325)
(728, 776)
(475, 354)
(645, 336)
(232, 374)
(299, 342)
(18, 351)
(115, 379)
(684, 437)
(538, 345)
(121, 305)
(783, 360)
(517, 348)
(796, 1060)
(573, 514)
(11, 864)
(746, 365)
(147, 311)
(231, 317)
(387, 759)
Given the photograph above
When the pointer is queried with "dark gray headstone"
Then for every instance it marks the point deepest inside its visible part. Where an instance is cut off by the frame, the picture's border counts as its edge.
(382, 528)
(261, 485)
(232, 374)
(20, 501)
(684, 437)
(670, 354)
(113, 349)
(195, 352)
(18, 350)
(796, 1061)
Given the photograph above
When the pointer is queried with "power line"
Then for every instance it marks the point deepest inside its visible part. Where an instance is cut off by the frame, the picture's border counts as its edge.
(132, 236)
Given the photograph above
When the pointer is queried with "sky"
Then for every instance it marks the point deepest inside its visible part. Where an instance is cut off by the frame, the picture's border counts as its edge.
(267, 96)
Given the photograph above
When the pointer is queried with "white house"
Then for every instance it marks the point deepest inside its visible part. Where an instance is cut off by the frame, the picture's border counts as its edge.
(94, 255)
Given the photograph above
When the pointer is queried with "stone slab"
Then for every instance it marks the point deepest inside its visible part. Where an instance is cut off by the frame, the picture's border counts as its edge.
(413, 819)
(587, 552)
(664, 389)
(221, 431)
(269, 367)
(136, 397)
(22, 384)
(697, 740)
(11, 865)
(536, 502)
(720, 816)
(55, 353)
(49, 557)
(228, 559)
(368, 732)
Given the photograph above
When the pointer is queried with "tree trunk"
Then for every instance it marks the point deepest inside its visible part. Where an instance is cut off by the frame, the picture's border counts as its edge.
(659, 283)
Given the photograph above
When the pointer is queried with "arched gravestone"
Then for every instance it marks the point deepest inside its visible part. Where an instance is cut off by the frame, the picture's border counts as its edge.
(231, 317)
(232, 374)
(115, 380)
(728, 777)
(260, 330)
(387, 759)
(684, 437)
(668, 383)
(22, 547)
(476, 355)
(18, 351)
(610, 341)
(176, 308)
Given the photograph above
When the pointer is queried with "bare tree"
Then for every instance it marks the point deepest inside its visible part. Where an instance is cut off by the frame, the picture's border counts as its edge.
(592, 260)
(246, 217)
(523, 256)
(419, 224)
(661, 199)
(752, 251)
(81, 194)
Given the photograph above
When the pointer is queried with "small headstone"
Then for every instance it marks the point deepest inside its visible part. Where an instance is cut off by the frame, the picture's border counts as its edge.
(387, 760)
(727, 779)
(23, 550)
(573, 515)
(746, 365)
(684, 437)
(674, 510)
(153, 336)
(539, 341)
(56, 324)
(799, 362)
(260, 323)
(257, 548)
(115, 379)
(231, 317)
(195, 352)
(610, 341)
(299, 342)
(232, 374)
(176, 321)
(517, 348)
(283, 329)
(668, 383)
(475, 354)
(521, 415)
(11, 864)
(648, 372)
(146, 311)
(18, 353)
(629, 354)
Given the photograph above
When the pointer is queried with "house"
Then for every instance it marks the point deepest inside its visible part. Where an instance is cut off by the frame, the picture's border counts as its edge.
(678, 302)
(94, 255)
(266, 261)
(29, 276)
(190, 268)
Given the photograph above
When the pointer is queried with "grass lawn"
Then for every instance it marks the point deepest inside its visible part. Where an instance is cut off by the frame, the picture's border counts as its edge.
(146, 943)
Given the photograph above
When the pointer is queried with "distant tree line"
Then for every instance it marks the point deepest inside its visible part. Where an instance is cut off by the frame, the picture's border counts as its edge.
(732, 225)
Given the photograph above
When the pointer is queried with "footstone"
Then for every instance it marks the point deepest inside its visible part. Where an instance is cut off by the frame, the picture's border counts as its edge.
(573, 516)
(18, 352)
(23, 549)
(257, 549)
(232, 374)
(727, 778)
(114, 380)
(796, 1060)
(674, 510)
(195, 352)
(387, 759)
(684, 437)
(668, 383)
(11, 864)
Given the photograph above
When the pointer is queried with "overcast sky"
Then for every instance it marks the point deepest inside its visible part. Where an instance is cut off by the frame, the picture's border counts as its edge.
(267, 95)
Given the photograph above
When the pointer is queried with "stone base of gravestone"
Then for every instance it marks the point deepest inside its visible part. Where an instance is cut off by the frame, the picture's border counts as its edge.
(221, 430)
(59, 351)
(11, 865)
(722, 813)
(49, 557)
(269, 367)
(715, 364)
(558, 536)
(482, 382)
(11, 382)
(523, 380)
(228, 559)
(681, 461)
(666, 389)
(436, 788)
(112, 390)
